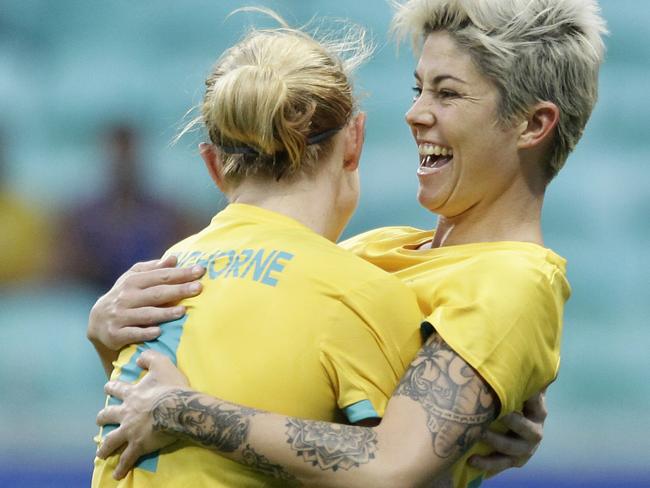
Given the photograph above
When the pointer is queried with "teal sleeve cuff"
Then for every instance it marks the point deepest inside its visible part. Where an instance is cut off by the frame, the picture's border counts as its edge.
(360, 411)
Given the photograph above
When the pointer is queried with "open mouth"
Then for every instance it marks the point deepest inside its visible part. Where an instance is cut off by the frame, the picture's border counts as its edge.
(434, 156)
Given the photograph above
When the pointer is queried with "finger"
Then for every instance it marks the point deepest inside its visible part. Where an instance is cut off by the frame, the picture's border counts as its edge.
(117, 389)
(127, 460)
(535, 407)
(151, 359)
(169, 261)
(164, 276)
(111, 443)
(109, 415)
(524, 428)
(504, 444)
(492, 463)
(146, 316)
(134, 335)
(157, 294)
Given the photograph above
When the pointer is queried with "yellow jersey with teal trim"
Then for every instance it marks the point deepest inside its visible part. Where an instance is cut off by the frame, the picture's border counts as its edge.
(499, 305)
(287, 322)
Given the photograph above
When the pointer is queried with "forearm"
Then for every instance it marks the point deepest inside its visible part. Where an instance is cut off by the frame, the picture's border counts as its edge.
(439, 410)
(307, 452)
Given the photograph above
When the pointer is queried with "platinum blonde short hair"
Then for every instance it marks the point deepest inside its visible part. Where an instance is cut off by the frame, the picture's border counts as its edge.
(532, 50)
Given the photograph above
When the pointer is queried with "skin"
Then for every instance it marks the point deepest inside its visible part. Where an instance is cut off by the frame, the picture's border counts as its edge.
(488, 192)
(492, 190)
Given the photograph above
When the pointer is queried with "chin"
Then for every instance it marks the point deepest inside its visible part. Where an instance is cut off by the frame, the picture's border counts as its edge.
(430, 202)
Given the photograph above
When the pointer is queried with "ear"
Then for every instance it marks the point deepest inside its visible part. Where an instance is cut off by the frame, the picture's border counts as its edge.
(354, 137)
(539, 124)
(212, 159)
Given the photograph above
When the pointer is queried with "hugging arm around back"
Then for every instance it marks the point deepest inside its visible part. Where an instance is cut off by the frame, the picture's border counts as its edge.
(141, 302)
(439, 410)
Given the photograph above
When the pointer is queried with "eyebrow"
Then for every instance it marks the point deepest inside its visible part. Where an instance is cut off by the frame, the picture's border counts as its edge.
(438, 79)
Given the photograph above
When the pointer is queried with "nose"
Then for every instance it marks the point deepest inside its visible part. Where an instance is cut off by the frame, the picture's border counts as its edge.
(420, 114)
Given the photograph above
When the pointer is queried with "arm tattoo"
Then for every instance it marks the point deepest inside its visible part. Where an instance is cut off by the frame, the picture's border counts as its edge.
(458, 404)
(216, 426)
(261, 464)
(331, 446)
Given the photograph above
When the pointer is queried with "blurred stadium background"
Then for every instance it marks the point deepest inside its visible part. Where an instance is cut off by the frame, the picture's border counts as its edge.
(71, 68)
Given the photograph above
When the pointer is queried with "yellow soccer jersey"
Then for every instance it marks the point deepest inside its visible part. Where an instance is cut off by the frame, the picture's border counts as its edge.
(287, 322)
(497, 304)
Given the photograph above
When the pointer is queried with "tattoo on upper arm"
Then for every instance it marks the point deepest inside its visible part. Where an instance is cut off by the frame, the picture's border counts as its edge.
(261, 464)
(458, 403)
(224, 428)
(331, 446)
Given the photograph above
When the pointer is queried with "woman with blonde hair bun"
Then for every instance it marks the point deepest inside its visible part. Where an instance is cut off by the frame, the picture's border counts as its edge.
(287, 320)
(503, 91)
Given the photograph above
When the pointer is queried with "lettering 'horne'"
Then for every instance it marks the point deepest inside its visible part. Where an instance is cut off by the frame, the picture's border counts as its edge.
(256, 264)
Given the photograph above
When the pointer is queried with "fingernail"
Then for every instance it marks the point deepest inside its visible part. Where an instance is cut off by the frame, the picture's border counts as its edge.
(197, 270)
(195, 287)
(179, 310)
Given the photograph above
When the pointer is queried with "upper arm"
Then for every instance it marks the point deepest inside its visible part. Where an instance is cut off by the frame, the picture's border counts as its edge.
(509, 331)
(361, 376)
(442, 406)
(458, 402)
(363, 350)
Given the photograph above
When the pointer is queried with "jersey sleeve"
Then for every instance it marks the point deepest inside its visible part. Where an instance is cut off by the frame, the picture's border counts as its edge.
(507, 325)
(374, 336)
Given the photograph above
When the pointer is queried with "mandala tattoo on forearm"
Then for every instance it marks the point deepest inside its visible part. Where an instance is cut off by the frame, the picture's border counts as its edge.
(262, 465)
(220, 427)
(331, 446)
(458, 404)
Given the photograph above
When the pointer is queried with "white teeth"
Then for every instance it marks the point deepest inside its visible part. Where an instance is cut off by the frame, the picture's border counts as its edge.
(427, 149)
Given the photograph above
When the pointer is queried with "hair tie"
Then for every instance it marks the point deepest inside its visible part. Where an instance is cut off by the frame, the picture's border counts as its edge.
(315, 139)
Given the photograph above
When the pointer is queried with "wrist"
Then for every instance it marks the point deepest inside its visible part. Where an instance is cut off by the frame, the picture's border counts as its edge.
(95, 336)
(95, 339)
(167, 410)
(92, 335)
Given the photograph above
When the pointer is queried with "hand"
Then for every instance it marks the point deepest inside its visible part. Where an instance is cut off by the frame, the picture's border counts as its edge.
(130, 311)
(517, 446)
(135, 415)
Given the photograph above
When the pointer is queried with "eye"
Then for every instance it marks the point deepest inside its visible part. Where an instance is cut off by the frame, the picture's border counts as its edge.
(417, 91)
(447, 93)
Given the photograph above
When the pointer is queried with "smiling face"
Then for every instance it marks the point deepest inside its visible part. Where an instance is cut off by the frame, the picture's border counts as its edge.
(467, 158)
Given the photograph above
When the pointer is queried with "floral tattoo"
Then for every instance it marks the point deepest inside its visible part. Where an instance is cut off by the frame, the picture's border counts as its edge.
(331, 446)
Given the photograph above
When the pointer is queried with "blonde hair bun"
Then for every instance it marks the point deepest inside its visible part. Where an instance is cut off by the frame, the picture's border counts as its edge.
(274, 99)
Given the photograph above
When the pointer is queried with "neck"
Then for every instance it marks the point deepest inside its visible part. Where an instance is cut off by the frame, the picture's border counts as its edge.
(310, 201)
(513, 216)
